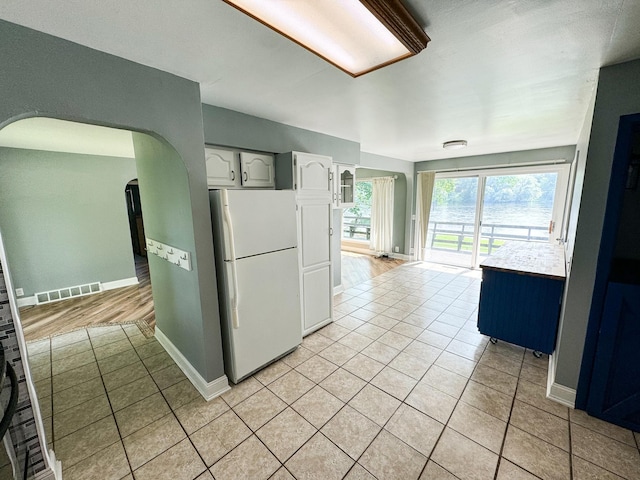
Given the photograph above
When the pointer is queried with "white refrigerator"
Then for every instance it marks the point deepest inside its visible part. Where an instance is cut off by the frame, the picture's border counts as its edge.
(257, 268)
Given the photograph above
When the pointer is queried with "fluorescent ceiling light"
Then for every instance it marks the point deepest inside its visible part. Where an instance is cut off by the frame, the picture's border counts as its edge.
(357, 36)
(454, 144)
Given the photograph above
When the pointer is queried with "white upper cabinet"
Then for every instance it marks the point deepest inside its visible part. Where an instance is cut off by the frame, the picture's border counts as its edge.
(313, 174)
(310, 175)
(222, 168)
(257, 170)
(233, 169)
(344, 184)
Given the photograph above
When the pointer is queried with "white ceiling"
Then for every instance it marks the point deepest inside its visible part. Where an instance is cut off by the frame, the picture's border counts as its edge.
(503, 74)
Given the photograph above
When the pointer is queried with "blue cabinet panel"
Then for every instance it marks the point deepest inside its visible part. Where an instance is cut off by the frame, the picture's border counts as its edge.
(519, 308)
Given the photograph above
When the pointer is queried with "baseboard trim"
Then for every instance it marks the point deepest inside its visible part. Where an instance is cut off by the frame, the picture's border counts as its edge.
(208, 390)
(363, 251)
(124, 282)
(556, 392)
(26, 301)
(367, 251)
(53, 472)
(317, 327)
(338, 289)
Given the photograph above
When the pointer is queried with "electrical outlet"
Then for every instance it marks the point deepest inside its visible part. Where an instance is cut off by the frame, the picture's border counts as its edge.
(19, 292)
(396, 249)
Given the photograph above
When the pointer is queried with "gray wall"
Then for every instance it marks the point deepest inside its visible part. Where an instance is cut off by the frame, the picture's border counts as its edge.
(399, 201)
(233, 129)
(47, 76)
(618, 94)
(64, 218)
(379, 162)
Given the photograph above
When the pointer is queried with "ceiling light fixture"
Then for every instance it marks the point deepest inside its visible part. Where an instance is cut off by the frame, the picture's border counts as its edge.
(454, 144)
(357, 36)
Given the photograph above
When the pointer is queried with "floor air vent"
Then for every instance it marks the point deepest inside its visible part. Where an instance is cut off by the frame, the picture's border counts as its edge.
(69, 292)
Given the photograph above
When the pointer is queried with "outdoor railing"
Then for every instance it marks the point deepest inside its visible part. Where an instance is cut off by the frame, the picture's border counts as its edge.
(458, 236)
(356, 227)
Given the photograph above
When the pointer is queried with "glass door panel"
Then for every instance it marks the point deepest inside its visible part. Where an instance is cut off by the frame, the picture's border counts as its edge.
(517, 208)
(450, 238)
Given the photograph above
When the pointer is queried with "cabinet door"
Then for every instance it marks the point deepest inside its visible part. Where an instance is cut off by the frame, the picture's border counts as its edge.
(222, 168)
(346, 182)
(315, 233)
(257, 170)
(315, 215)
(316, 298)
(313, 175)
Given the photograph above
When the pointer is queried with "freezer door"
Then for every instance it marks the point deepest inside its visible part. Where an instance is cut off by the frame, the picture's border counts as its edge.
(270, 322)
(263, 220)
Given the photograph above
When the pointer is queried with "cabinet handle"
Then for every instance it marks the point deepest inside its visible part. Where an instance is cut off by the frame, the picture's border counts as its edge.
(233, 176)
(245, 176)
(331, 231)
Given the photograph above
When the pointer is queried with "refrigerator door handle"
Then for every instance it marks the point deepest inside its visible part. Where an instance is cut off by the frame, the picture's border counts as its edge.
(230, 247)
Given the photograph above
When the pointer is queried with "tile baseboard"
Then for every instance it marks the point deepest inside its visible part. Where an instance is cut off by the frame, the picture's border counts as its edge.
(208, 390)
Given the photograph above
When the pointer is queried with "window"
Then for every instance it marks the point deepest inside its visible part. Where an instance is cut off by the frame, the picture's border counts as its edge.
(356, 221)
(474, 213)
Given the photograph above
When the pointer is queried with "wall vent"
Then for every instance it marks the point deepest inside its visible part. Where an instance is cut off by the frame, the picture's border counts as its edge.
(69, 292)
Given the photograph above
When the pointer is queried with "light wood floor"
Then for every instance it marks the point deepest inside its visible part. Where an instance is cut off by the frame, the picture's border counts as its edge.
(120, 305)
(358, 268)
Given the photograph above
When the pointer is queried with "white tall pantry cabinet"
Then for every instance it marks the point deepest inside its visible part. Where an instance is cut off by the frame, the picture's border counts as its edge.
(310, 176)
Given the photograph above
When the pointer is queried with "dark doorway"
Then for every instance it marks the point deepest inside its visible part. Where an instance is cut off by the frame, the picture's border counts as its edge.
(136, 223)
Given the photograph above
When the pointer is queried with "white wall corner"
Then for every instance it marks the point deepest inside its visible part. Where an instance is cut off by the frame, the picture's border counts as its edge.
(556, 392)
(208, 390)
(338, 289)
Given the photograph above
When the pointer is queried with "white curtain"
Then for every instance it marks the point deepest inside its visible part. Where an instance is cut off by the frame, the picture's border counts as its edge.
(382, 215)
(424, 194)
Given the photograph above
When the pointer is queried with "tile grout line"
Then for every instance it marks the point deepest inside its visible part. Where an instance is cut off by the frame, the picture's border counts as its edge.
(206, 468)
(106, 392)
(504, 439)
(402, 402)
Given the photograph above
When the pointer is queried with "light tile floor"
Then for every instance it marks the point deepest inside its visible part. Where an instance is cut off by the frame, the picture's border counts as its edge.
(400, 386)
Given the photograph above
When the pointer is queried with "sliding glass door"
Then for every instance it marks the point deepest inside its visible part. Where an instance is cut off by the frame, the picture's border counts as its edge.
(473, 214)
(451, 235)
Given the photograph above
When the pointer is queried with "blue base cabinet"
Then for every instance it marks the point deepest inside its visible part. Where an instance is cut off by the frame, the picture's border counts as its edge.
(520, 308)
